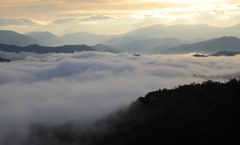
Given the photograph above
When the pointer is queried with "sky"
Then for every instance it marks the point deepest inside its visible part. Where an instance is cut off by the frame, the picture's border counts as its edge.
(113, 16)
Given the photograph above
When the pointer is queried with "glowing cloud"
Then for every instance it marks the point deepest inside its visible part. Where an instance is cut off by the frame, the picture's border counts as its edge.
(160, 11)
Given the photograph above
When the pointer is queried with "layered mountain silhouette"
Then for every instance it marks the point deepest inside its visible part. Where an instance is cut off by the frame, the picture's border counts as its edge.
(185, 32)
(68, 39)
(165, 46)
(226, 53)
(48, 38)
(148, 40)
(209, 46)
(144, 46)
(13, 38)
(84, 38)
(119, 41)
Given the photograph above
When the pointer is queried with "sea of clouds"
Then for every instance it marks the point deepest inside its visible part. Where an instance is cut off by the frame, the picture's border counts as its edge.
(85, 86)
(80, 86)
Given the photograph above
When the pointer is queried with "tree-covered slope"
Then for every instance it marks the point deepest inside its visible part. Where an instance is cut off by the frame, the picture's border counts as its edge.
(198, 114)
(204, 113)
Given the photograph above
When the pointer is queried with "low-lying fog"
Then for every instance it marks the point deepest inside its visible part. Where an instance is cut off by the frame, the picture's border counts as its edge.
(88, 85)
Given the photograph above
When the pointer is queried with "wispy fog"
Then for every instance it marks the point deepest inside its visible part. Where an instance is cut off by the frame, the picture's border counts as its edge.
(79, 86)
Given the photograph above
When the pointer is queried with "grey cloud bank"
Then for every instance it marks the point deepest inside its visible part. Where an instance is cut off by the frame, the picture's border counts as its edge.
(63, 87)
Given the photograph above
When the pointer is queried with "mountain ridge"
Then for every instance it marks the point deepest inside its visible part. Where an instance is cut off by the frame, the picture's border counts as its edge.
(14, 38)
(84, 38)
(47, 37)
(187, 32)
(196, 113)
(209, 46)
(43, 49)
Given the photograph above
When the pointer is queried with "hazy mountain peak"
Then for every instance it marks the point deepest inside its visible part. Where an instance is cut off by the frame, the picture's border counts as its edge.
(116, 41)
(85, 38)
(39, 32)
(47, 37)
(186, 32)
(14, 38)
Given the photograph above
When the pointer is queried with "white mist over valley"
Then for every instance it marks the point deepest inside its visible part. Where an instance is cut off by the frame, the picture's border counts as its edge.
(87, 85)
(107, 72)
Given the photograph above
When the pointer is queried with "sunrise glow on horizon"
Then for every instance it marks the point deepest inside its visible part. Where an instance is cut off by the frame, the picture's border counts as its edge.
(112, 16)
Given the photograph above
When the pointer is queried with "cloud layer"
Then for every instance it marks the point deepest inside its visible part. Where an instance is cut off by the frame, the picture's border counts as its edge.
(128, 15)
(62, 87)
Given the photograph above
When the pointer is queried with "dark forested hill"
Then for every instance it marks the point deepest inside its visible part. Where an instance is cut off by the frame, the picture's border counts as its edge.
(4, 60)
(195, 114)
(42, 49)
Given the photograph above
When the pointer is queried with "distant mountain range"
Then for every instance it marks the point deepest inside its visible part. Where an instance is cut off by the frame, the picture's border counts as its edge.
(183, 32)
(209, 46)
(226, 53)
(119, 41)
(13, 38)
(224, 44)
(149, 40)
(48, 38)
(84, 38)
(144, 46)
(177, 46)
(68, 39)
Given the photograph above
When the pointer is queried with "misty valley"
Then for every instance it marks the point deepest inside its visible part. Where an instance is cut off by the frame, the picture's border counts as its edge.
(176, 84)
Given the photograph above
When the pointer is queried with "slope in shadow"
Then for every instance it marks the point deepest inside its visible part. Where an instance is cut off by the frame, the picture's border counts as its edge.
(197, 114)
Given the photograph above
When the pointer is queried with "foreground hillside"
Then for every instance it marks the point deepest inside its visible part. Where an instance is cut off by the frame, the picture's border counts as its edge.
(196, 114)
